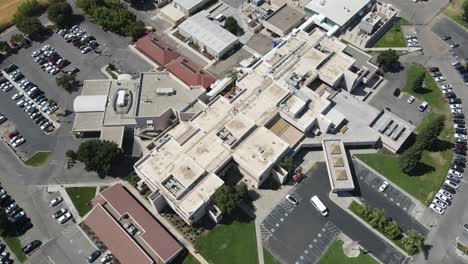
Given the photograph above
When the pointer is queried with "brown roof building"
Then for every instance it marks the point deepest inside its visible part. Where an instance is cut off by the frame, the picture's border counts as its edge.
(190, 73)
(156, 49)
(128, 230)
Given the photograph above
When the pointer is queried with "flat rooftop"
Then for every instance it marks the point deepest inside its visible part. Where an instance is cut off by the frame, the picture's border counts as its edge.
(339, 172)
(116, 114)
(393, 130)
(160, 91)
(338, 11)
(286, 18)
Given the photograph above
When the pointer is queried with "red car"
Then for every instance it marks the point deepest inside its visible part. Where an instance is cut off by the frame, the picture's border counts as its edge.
(14, 133)
(459, 146)
(449, 95)
(433, 69)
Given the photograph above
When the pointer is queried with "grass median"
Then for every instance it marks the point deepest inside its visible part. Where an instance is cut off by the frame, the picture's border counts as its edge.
(430, 173)
(335, 254)
(15, 246)
(39, 159)
(455, 11)
(81, 198)
(394, 37)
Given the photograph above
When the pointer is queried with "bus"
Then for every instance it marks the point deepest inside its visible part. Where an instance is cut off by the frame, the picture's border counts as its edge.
(319, 205)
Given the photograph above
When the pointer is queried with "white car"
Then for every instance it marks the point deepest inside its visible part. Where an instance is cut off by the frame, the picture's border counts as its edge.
(461, 136)
(7, 88)
(446, 194)
(423, 106)
(436, 209)
(447, 86)
(440, 79)
(456, 106)
(291, 199)
(442, 198)
(18, 142)
(459, 126)
(456, 173)
(64, 218)
(17, 96)
(410, 99)
(86, 50)
(56, 201)
(451, 184)
(439, 203)
(383, 186)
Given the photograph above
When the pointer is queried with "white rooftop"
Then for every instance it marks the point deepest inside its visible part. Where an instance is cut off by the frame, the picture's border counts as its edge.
(213, 36)
(339, 11)
(90, 103)
(187, 4)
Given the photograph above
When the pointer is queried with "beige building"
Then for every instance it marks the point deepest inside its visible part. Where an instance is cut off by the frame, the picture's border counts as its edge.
(283, 20)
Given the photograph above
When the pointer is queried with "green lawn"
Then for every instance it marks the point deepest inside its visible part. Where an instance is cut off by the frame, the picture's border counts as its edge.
(39, 159)
(230, 242)
(15, 246)
(81, 198)
(268, 258)
(435, 163)
(393, 37)
(454, 11)
(335, 255)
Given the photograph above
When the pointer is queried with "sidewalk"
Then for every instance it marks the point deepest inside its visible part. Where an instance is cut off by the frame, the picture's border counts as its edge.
(344, 203)
(166, 223)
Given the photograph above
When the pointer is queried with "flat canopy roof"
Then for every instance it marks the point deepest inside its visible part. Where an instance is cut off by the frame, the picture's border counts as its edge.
(90, 103)
(207, 32)
(339, 11)
(339, 172)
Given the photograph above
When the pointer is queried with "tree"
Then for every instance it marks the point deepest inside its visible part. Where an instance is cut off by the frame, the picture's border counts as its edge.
(418, 83)
(231, 25)
(242, 191)
(60, 12)
(4, 47)
(465, 11)
(27, 24)
(430, 131)
(137, 30)
(98, 155)
(67, 81)
(365, 211)
(410, 158)
(18, 38)
(387, 59)
(29, 8)
(413, 241)
(227, 199)
(71, 154)
(392, 230)
(287, 164)
(378, 219)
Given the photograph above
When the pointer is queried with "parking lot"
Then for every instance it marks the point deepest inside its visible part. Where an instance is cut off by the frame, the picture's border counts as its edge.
(299, 234)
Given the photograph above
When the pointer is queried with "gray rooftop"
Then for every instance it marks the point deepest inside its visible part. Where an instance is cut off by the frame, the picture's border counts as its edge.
(161, 91)
(339, 11)
(286, 17)
(188, 4)
(213, 36)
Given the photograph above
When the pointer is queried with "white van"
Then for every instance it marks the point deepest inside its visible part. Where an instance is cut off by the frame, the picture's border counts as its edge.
(220, 17)
(423, 106)
(319, 205)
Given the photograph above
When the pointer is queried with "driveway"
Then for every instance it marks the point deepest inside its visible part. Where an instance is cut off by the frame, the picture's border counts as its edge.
(289, 231)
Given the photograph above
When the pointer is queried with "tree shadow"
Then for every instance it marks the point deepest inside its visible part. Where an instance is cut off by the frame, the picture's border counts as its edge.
(421, 169)
(236, 215)
(439, 145)
(396, 67)
(423, 90)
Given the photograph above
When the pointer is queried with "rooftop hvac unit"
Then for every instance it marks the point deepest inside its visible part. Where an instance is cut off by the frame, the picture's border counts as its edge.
(121, 98)
(165, 91)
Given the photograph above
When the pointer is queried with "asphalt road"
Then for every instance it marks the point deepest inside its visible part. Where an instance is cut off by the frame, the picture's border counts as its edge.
(303, 223)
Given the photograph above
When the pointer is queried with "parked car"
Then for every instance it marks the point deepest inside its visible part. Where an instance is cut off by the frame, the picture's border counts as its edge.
(453, 179)
(56, 201)
(443, 198)
(59, 213)
(446, 37)
(451, 184)
(94, 256)
(383, 186)
(440, 79)
(436, 209)
(410, 99)
(433, 69)
(460, 136)
(448, 189)
(17, 217)
(459, 121)
(291, 199)
(454, 45)
(18, 142)
(446, 194)
(439, 203)
(64, 218)
(423, 106)
(31, 246)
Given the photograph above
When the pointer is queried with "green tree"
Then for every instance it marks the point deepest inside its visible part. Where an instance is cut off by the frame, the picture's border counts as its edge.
(89, 5)
(418, 83)
(4, 47)
(242, 191)
(27, 24)
(99, 155)
(231, 25)
(29, 8)
(365, 211)
(66, 81)
(387, 59)
(18, 38)
(71, 154)
(60, 12)
(378, 219)
(430, 131)
(410, 158)
(465, 11)
(227, 199)
(287, 164)
(416, 237)
(391, 230)
(136, 30)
